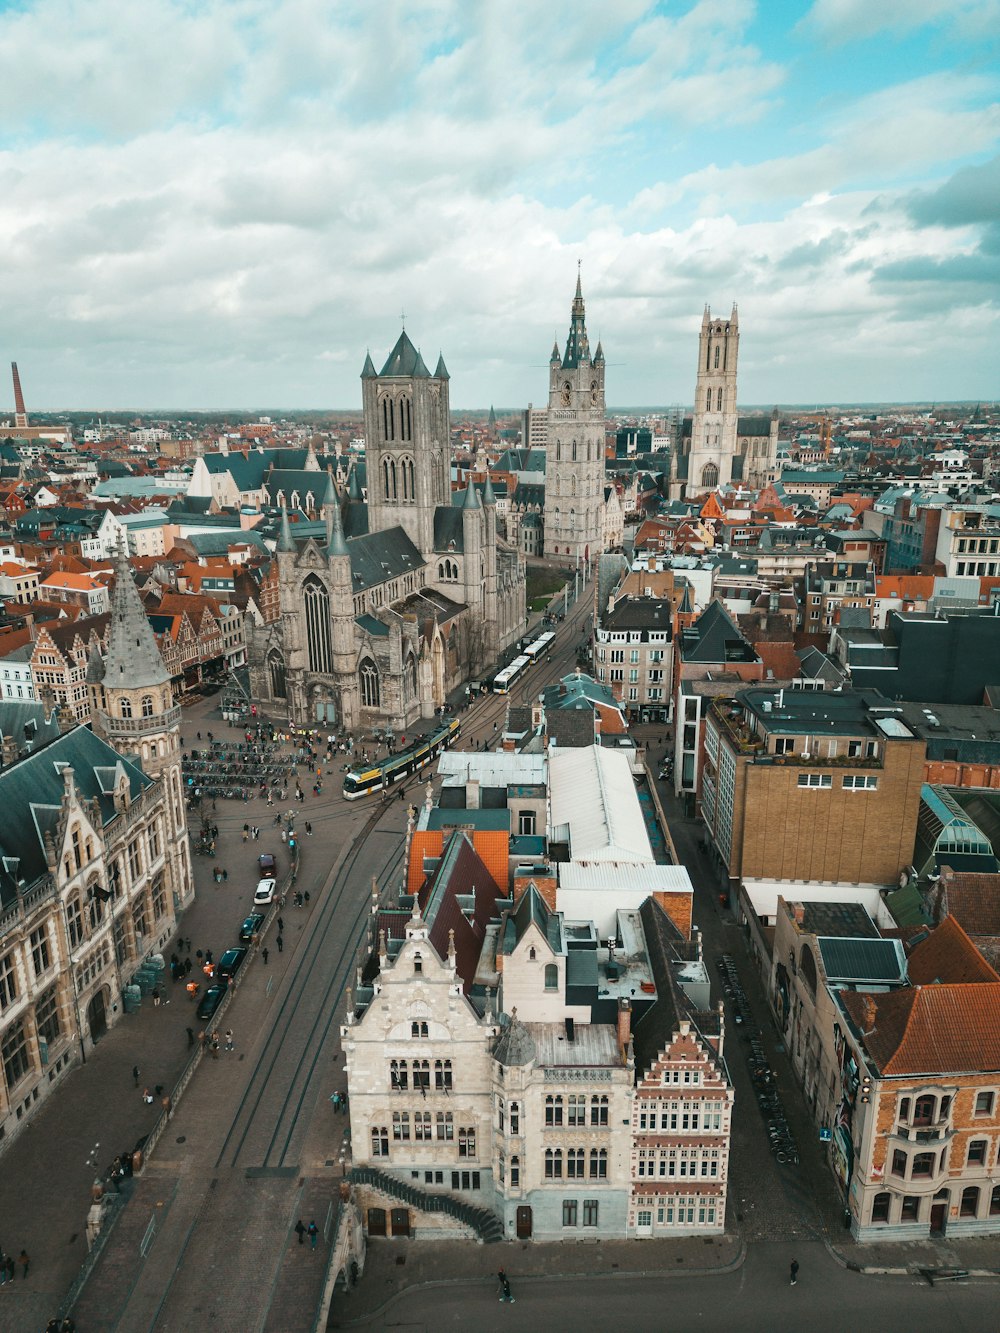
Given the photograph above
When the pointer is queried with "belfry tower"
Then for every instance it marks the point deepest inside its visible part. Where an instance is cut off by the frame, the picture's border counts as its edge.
(713, 426)
(574, 469)
(133, 709)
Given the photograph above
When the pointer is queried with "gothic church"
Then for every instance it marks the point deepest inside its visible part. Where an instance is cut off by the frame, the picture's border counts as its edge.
(376, 627)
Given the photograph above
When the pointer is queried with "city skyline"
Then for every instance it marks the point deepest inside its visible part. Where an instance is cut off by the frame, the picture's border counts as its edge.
(225, 207)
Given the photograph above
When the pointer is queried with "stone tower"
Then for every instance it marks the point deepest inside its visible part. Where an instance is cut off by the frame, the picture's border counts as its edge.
(714, 423)
(133, 709)
(574, 469)
(408, 444)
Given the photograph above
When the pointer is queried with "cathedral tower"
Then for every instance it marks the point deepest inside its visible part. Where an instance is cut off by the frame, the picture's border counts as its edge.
(407, 443)
(574, 469)
(133, 709)
(714, 424)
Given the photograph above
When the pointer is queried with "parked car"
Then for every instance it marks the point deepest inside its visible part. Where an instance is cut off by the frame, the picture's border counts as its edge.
(264, 896)
(268, 864)
(211, 1000)
(251, 925)
(231, 962)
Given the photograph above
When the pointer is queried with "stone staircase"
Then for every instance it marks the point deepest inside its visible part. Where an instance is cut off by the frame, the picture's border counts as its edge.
(479, 1220)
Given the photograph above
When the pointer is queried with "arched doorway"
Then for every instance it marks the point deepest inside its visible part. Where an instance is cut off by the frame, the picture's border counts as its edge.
(97, 1017)
(276, 672)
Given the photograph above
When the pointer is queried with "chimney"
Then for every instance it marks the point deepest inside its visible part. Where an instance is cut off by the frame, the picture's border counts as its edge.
(472, 794)
(20, 415)
(624, 1023)
(869, 1014)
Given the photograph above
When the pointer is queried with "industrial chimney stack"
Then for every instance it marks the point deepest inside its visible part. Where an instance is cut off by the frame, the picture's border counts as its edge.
(20, 415)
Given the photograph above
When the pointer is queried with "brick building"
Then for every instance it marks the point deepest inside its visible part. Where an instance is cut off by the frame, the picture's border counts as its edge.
(811, 786)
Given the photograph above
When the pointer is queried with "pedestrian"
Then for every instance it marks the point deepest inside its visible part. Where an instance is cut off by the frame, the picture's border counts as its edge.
(225, 876)
(24, 1261)
(281, 925)
(309, 829)
(280, 943)
(135, 1074)
(300, 1230)
(68, 1326)
(246, 832)
(190, 1033)
(263, 954)
(229, 1039)
(215, 1046)
(505, 1292)
(284, 836)
(156, 997)
(147, 1097)
(794, 1273)
(313, 1231)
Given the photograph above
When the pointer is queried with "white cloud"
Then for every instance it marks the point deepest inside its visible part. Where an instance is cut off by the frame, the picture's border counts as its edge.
(851, 20)
(226, 202)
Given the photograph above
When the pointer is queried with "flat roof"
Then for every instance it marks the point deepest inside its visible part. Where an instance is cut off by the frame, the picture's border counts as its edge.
(595, 806)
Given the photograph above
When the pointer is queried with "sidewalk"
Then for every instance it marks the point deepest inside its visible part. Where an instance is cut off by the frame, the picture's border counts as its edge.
(980, 1255)
(392, 1266)
(46, 1174)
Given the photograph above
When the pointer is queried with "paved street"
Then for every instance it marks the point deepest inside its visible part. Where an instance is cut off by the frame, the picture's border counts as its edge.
(755, 1298)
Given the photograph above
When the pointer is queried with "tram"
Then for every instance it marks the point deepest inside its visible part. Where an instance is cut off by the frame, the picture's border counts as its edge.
(535, 650)
(504, 679)
(365, 781)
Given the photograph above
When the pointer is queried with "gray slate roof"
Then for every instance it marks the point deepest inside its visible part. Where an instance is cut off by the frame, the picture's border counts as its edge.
(31, 793)
(132, 658)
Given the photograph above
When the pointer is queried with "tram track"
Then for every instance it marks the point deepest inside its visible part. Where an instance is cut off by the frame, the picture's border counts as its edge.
(306, 970)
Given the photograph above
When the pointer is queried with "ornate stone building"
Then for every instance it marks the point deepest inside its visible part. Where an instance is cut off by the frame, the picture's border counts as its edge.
(94, 864)
(717, 445)
(574, 473)
(377, 627)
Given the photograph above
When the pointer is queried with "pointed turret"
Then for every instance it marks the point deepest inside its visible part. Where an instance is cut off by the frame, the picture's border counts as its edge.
(285, 542)
(471, 500)
(337, 545)
(330, 498)
(599, 354)
(441, 373)
(556, 357)
(686, 608)
(132, 659)
(369, 372)
(489, 498)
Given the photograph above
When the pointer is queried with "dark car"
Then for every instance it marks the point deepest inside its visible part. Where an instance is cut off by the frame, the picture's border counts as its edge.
(268, 865)
(231, 962)
(251, 925)
(211, 1000)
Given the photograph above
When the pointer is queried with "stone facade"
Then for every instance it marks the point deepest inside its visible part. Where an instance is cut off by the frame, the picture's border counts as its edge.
(379, 626)
(574, 473)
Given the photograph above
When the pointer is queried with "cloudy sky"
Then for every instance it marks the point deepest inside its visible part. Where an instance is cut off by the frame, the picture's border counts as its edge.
(223, 203)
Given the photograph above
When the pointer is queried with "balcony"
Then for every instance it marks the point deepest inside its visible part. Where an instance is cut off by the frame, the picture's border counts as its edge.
(140, 726)
(728, 717)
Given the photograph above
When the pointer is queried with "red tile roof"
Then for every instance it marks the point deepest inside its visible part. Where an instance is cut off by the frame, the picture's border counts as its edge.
(974, 900)
(948, 1029)
(947, 954)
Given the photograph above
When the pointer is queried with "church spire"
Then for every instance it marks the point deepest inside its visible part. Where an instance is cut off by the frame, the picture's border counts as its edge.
(336, 544)
(285, 542)
(132, 658)
(577, 345)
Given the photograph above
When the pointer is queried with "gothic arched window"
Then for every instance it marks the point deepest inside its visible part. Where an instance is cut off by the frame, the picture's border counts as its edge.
(389, 478)
(125, 707)
(371, 694)
(708, 401)
(709, 476)
(276, 673)
(411, 675)
(406, 479)
(146, 705)
(574, 451)
(718, 400)
(405, 419)
(317, 603)
(716, 356)
(388, 419)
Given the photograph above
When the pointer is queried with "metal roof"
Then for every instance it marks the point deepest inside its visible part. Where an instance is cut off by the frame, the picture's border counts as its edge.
(593, 797)
(860, 961)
